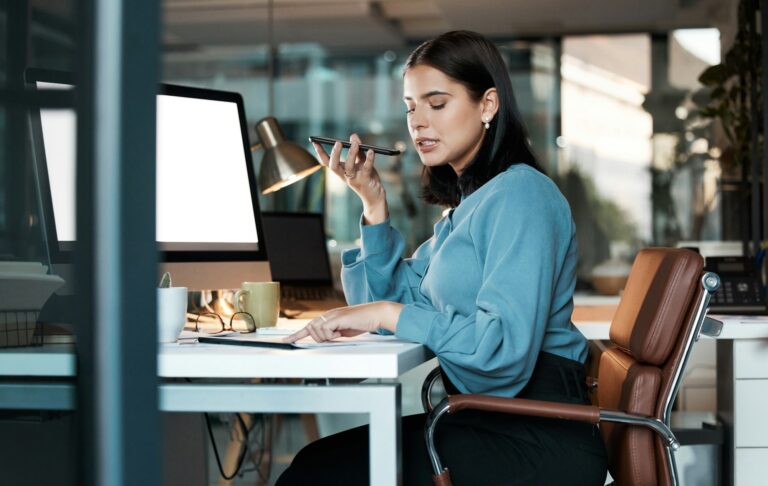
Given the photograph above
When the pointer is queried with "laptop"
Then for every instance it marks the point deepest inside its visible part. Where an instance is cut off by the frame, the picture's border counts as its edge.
(298, 259)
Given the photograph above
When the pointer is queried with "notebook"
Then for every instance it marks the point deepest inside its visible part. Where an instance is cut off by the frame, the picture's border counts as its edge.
(298, 259)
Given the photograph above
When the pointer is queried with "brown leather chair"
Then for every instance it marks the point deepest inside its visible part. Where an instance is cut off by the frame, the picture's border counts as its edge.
(661, 314)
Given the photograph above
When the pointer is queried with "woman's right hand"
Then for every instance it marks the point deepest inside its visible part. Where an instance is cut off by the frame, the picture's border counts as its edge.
(360, 175)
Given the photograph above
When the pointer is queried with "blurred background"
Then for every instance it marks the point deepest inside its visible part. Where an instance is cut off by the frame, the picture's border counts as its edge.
(609, 90)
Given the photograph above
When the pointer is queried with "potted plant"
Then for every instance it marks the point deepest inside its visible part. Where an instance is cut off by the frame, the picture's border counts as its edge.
(731, 95)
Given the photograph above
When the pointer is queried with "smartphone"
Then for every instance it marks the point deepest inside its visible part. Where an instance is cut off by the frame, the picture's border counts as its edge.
(363, 147)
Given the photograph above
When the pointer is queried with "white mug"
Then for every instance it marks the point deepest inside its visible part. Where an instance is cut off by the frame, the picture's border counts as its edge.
(171, 313)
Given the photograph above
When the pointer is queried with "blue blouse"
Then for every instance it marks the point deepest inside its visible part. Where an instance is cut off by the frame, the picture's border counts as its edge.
(491, 288)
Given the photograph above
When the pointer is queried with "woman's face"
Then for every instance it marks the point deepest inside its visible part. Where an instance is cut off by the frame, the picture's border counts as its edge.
(445, 123)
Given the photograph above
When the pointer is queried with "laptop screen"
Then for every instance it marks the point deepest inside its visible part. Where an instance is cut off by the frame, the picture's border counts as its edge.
(296, 248)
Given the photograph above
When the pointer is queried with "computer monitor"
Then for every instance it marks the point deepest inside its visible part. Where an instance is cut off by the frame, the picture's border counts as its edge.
(208, 227)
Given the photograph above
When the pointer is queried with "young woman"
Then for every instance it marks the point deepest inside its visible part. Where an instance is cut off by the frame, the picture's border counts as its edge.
(490, 293)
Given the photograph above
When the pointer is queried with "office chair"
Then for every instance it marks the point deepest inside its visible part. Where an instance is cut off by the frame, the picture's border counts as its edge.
(660, 315)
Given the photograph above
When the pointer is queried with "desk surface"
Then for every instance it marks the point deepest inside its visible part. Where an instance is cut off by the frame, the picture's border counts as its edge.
(223, 361)
(220, 361)
(734, 327)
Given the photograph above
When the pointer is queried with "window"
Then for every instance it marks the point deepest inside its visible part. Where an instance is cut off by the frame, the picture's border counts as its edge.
(634, 154)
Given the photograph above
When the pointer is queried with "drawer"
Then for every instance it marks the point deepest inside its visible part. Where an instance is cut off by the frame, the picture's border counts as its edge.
(750, 358)
(749, 467)
(751, 418)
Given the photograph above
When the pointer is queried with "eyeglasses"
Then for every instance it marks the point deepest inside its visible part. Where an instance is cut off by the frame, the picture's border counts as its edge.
(213, 323)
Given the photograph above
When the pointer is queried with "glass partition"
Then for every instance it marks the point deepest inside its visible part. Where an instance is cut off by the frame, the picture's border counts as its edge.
(79, 389)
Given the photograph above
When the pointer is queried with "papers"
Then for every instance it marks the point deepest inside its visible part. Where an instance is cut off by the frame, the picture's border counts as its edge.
(276, 331)
(276, 341)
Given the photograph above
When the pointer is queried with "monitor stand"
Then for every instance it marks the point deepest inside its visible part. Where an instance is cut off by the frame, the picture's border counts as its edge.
(215, 275)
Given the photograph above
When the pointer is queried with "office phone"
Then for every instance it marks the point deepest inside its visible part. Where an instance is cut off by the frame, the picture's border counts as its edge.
(741, 289)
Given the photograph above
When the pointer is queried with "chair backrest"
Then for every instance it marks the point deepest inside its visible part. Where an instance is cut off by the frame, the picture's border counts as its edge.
(653, 321)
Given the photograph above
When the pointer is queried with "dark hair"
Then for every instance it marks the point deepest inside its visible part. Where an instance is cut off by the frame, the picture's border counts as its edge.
(472, 60)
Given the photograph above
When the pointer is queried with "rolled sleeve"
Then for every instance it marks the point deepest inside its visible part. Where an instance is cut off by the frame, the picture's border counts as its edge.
(377, 270)
(376, 238)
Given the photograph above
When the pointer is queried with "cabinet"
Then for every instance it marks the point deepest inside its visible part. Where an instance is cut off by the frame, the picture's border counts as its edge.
(742, 394)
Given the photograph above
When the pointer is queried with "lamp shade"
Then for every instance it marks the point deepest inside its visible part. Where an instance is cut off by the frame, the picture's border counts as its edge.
(284, 162)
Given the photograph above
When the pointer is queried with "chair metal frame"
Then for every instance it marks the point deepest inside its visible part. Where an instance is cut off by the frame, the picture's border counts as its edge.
(710, 282)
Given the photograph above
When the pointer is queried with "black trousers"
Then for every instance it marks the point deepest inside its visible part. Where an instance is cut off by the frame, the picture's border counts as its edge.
(477, 447)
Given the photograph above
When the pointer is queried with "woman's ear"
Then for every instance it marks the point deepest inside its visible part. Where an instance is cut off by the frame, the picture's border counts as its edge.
(489, 104)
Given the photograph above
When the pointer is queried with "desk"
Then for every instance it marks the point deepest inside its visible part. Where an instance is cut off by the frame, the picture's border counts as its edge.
(742, 395)
(734, 328)
(742, 376)
(54, 366)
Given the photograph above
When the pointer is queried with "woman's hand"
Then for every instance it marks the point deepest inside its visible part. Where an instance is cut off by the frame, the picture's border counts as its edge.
(350, 321)
(360, 175)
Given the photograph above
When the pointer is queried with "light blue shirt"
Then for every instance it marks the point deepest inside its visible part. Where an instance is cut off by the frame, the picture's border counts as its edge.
(491, 288)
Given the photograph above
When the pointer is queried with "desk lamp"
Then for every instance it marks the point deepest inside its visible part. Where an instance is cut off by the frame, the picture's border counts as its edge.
(284, 162)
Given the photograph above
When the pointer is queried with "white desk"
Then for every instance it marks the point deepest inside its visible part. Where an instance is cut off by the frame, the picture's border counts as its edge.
(742, 386)
(380, 398)
(734, 328)
(742, 397)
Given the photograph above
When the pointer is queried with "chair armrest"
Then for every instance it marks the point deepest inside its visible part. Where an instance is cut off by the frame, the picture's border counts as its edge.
(522, 406)
(711, 327)
(426, 389)
(537, 408)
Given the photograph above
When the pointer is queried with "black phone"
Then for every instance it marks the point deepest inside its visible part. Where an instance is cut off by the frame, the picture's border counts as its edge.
(741, 291)
(363, 147)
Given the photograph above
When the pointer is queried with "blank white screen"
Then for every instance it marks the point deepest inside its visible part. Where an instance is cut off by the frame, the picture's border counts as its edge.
(58, 128)
(59, 141)
(203, 192)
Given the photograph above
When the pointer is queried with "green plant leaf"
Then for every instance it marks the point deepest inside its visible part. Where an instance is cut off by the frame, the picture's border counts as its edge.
(717, 93)
(714, 75)
(711, 112)
(165, 281)
(733, 57)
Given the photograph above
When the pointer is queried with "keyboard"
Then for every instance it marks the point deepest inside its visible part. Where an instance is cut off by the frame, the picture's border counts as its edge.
(309, 293)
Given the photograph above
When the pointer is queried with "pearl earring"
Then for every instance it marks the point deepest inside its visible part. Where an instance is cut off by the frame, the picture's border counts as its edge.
(487, 125)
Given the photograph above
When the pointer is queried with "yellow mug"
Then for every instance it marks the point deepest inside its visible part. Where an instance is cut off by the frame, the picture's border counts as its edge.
(261, 300)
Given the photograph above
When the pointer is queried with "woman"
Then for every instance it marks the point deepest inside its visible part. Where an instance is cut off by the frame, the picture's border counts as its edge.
(490, 293)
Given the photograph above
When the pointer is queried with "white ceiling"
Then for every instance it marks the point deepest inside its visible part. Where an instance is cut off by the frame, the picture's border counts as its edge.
(393, 23)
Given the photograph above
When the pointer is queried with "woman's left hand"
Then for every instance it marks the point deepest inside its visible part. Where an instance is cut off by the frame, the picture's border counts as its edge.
(350, 321)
